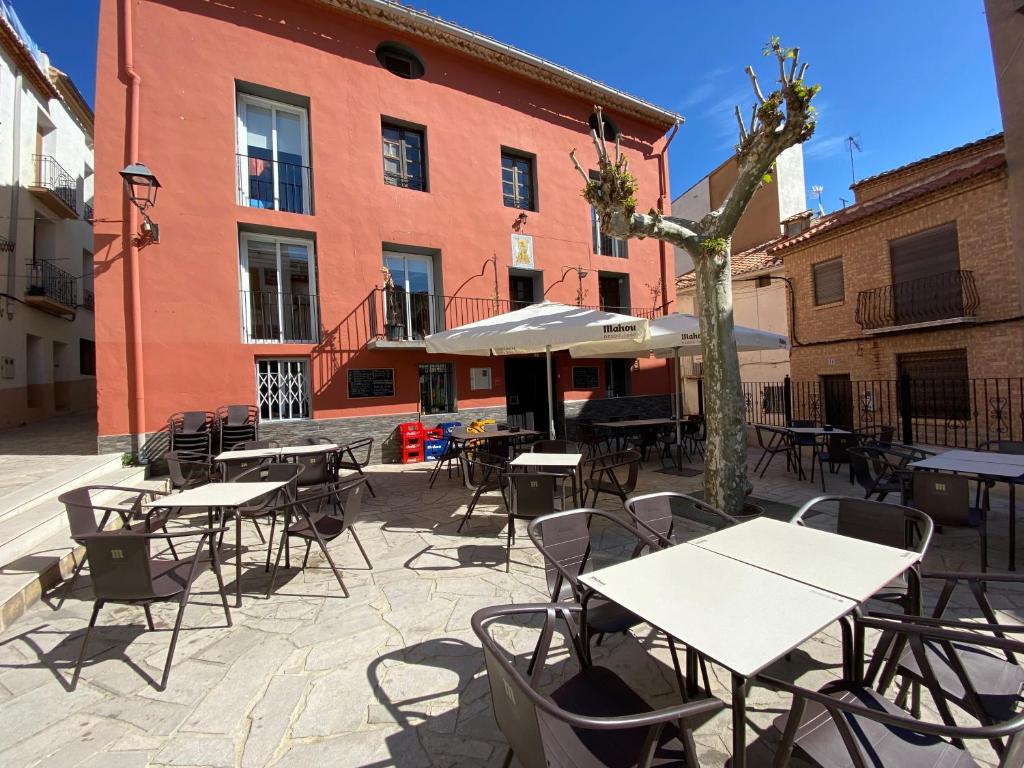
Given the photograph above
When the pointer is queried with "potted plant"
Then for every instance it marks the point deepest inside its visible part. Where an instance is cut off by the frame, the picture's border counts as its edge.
(394, 308)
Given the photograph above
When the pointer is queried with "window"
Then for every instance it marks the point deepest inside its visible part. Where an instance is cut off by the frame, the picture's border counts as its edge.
(524, 288)
(437, 388)
(925, 276)
(616, 377)
(400, 60)
(282, 389)
(939, 386)
(764, 281)
(517, 181)
(87, 357)
(773, 398)
(278, 287)
(404, 157)
(605, 245)
(409, 303)
(828, 282)
(611, 130)
(273, 155)
(88, 298)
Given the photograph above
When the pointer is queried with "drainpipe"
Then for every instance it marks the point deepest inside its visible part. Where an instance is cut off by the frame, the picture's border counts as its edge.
(132, 156)
(12, 225)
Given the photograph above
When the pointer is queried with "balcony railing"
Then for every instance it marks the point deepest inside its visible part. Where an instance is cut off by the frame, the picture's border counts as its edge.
(398, 315)
(945, 296)
(50, 281)
(87, 213)
(270, 317)
(88, 299)
(274, 184)
(51, 175)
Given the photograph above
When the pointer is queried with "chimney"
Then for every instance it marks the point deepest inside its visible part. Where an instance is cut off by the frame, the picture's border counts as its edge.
(797, 223)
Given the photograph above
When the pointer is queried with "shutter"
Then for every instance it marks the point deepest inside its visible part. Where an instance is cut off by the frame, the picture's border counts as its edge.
(828, 281)
(933, 252)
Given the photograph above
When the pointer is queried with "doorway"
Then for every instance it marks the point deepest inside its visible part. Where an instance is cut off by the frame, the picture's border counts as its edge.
(61, 374)
(837, 392)
(522, 289)
(613, 292)
(34, 373)
(526, 402)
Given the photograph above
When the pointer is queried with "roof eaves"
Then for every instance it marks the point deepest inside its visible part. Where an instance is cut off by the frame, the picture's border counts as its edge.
(450, 35)
(925, 160)
(25, 61)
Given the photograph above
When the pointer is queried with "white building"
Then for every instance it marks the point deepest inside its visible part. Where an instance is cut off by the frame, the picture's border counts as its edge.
(47, 349)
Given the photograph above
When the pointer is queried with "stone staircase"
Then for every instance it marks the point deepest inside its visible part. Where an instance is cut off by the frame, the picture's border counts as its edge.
(35, 549)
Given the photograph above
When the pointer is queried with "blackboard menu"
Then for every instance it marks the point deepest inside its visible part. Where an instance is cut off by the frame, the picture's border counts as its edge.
(371, 382)
(584, 377)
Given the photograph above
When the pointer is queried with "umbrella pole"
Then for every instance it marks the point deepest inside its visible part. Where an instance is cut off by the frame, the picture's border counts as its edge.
(679, 412)
(551, 403)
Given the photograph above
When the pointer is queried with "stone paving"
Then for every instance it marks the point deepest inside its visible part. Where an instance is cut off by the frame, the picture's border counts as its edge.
(36, 450)
(391, 676)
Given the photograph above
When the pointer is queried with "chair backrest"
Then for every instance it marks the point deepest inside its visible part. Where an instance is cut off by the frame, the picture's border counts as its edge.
(555, 446)
(348, 500)
(868, 465)
(481, 468)
(803, 423)
(194, 421)
(186, 467)
(839, 448)
(253, 445)
(766, 434)
(893, 525)
(532, 494)
(563, 538)
(119, 565)
(664, 512)
(356, 454)
(885, 435)
(78, 505)
(272, 472)
(318, 467)
(231, 470)
(1003, 446)
(944, 497)
(240, 415)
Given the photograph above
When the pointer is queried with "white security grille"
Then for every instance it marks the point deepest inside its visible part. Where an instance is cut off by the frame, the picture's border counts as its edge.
(282, 387)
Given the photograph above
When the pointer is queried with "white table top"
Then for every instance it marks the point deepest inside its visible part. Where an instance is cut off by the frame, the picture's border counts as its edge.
(462, 434)
(743, 617)
(547, 460)
(817, 431)
(842, 565)
(253, 453)
(217, 495)
(975, 463)
(635, 423)
(295, 450)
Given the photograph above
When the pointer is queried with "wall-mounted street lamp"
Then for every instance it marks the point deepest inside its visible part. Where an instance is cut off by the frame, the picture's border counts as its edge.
(141, 185)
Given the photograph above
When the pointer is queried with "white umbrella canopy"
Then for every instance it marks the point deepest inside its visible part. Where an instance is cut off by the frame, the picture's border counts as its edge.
(545, 327)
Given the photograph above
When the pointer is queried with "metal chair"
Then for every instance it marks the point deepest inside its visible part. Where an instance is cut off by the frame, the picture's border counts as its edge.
(191, 431)
(449, 459)
(602, 475)
(1003, 446)
(237, 423)
(834, 451)
(86, 518)
(848, 723)
(483, 473)
(876, 473)
(946, 499)
(267, 505)
(124, 573)
(323, 518)
(660, 515)
(255, 445)
(356, 456)
(319, 469)
(592, 718)
(772, 441)
(556, 446)
(531, 495)
(189, 470)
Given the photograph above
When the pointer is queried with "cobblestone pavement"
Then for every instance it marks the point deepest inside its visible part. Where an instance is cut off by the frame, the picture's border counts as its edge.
(391, 676)
(32, 452)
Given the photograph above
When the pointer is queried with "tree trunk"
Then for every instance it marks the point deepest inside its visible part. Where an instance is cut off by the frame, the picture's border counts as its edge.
(725, 464)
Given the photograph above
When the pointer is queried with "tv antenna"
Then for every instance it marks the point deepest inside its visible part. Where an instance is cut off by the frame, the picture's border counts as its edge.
(853, 143)
(816, 190)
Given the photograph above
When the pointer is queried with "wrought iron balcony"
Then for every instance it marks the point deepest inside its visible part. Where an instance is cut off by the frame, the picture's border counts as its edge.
(87, 213)
(274, 184)
(55, 187)
(400, 316)
(945, 297)
(88, 299)
(270, 317)
(51, 289)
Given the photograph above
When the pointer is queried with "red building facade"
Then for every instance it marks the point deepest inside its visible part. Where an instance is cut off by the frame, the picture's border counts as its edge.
(340, 179)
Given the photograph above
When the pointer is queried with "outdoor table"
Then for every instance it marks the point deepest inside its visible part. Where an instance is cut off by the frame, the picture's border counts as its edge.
(1007, 467)
(302, 450)
(613, 426)
(221, 496)
(251, 453)
(758, 611)
(464, 436)
(816, 431)
(539, 460)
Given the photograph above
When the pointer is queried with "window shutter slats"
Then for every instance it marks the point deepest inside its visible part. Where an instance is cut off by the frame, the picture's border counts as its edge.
(828, 281)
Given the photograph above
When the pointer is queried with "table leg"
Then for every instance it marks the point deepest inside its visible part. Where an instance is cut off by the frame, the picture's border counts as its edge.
(739, 721)
(238, 560)
(1012, 564)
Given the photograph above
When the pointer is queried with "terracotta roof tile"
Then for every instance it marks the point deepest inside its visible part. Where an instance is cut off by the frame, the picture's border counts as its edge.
(753, 259)
(995, 138)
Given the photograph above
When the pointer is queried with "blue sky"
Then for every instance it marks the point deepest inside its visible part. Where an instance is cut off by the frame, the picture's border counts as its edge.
(908, 77)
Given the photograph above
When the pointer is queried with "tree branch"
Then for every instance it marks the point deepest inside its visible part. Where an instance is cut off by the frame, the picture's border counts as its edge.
(739, 120)
(579, 168)
(666, 228)
(753, 82)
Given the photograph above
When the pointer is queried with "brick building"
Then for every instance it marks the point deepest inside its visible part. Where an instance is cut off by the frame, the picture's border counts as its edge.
(917, 280)
(321, 215)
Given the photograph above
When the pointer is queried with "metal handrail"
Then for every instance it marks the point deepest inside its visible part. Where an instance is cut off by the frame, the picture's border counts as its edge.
(943, 296)
(274, 184)
(51, 175)
(47, 279)
(280, 317)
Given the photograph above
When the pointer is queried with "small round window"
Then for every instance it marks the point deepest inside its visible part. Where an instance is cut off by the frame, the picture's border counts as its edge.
(611, 130)
(400, 60)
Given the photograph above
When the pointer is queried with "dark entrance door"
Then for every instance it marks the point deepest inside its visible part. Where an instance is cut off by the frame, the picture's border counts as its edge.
(838, 395)
(520, 290)
(612, 293)
(526, 402)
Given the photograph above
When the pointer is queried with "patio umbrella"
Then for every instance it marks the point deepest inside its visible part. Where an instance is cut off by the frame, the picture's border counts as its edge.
(545, 327)
(675, 335)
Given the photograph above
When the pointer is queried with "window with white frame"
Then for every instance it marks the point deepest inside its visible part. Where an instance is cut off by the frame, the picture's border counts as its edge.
(282, 389)
(278, 290)
(273, 155)
(412, 310)
(605, 245)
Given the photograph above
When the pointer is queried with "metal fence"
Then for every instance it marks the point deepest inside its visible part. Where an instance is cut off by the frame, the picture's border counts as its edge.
(958, 413)
(47, 279)
(274, 184)
(927, 299)
(51, 175)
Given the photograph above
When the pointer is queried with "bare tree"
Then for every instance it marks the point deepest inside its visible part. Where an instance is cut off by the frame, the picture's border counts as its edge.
(778, 121)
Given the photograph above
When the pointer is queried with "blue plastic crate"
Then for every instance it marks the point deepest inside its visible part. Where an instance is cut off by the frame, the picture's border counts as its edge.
(434, 449)
(448, 426)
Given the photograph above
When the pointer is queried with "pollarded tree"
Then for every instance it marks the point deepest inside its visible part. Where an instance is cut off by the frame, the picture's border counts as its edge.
(778, 121)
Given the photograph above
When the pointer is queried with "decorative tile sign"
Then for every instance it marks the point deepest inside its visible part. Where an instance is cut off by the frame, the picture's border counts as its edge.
(522, 252)
(371, 382)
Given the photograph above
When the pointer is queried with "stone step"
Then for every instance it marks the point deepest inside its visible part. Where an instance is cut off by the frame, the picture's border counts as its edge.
(52, 486)
(36, 549)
